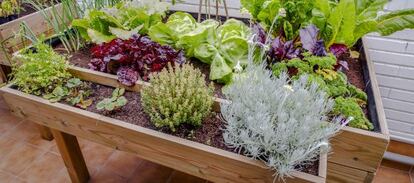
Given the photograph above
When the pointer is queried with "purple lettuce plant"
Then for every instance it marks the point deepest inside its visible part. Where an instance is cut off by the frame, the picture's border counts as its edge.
(133, 58)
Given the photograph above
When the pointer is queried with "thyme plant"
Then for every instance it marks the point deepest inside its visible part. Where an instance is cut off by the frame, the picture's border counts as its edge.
(278, 121)
(177, 95)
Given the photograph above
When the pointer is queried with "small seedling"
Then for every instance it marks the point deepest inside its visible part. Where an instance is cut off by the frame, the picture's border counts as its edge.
(73, 82)
(57, 94)
(115, 102)
(79, 99)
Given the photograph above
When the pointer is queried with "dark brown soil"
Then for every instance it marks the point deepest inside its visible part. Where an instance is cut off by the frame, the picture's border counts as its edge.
(210, 133)
(355, 73)
(356, 77)
(83, 56)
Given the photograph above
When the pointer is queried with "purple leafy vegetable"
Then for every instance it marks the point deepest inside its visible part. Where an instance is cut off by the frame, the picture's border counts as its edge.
(260, 33)
(133, 58)
(340, 51)
(283, 50)
(310, 41)
(127, 75)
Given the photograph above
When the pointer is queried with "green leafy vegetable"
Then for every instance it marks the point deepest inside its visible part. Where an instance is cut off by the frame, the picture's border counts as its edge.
(115, 102)
(123, 20)
(223, 47)
(39, 72)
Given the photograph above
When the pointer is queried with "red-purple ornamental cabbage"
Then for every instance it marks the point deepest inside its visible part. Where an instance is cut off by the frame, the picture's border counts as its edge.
(134, 58)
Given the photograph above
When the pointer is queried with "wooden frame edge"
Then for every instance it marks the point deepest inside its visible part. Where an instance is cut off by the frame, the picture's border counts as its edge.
(377, 96)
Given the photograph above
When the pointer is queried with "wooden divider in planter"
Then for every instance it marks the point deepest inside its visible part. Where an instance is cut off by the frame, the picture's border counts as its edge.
(194, 158)
(35, 21)
(353, 148)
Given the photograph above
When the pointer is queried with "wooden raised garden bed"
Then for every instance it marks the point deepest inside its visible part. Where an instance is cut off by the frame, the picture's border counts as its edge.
(11, 44)
(356, 151)
(194, 158)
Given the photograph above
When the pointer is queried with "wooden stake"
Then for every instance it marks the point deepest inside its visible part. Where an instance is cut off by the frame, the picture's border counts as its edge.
(72, 156)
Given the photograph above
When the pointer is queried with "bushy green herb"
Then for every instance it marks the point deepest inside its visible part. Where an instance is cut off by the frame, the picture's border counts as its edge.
(350, 107)
(177, 95)
(115, 102)
(40, 71)
(334, 83)
(9, 7)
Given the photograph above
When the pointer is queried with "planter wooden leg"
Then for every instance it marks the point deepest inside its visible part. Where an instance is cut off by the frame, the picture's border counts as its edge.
(72, 156)
(45, 132)
(3, 78)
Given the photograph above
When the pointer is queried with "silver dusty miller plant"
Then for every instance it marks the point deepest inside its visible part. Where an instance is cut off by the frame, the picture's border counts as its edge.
(280, 122)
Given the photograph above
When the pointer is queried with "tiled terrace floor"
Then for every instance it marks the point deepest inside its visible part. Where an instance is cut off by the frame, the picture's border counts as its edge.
(25, 157)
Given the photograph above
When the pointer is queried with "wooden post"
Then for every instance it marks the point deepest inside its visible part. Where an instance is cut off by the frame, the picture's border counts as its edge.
(45, 132)
(72, 156)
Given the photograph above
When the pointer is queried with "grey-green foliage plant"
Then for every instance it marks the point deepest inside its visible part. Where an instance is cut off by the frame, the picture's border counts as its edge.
(115, 102)
(40, 71)
(280, 122)
(177, 95)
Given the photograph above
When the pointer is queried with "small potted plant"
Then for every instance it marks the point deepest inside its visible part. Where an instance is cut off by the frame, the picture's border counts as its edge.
(9, 10)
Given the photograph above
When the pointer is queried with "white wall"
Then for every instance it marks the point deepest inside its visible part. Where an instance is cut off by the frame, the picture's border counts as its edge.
(393, 57)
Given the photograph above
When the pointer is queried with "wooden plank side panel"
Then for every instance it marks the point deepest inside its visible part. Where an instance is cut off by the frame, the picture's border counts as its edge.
(359, 149)
(342, 174)
(183, 155)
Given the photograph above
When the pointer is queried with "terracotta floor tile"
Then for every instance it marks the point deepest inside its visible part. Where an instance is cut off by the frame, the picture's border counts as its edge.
(23, 131)
(45, 167)
(7, 145)
(96, 156)
(104, 176)
(388, 175)
(180, 177)
(122, 163)
(6, 177)
(7, 122)
(20, 158)
(148, 172)
(61, 177)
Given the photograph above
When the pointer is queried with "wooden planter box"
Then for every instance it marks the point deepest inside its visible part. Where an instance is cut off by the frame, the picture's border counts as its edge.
(10, 44)
(194, 158)
(356, 151)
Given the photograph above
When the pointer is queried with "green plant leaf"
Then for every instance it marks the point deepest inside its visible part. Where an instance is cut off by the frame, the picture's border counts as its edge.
(395, 21)
(73, 82)
(219, 68)
(368, 9)
(323, 6)
(121, 101)
(124, 34)
(346, 31)
(162, 34)
(253, 6)
(110, 106)
(99, 37)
